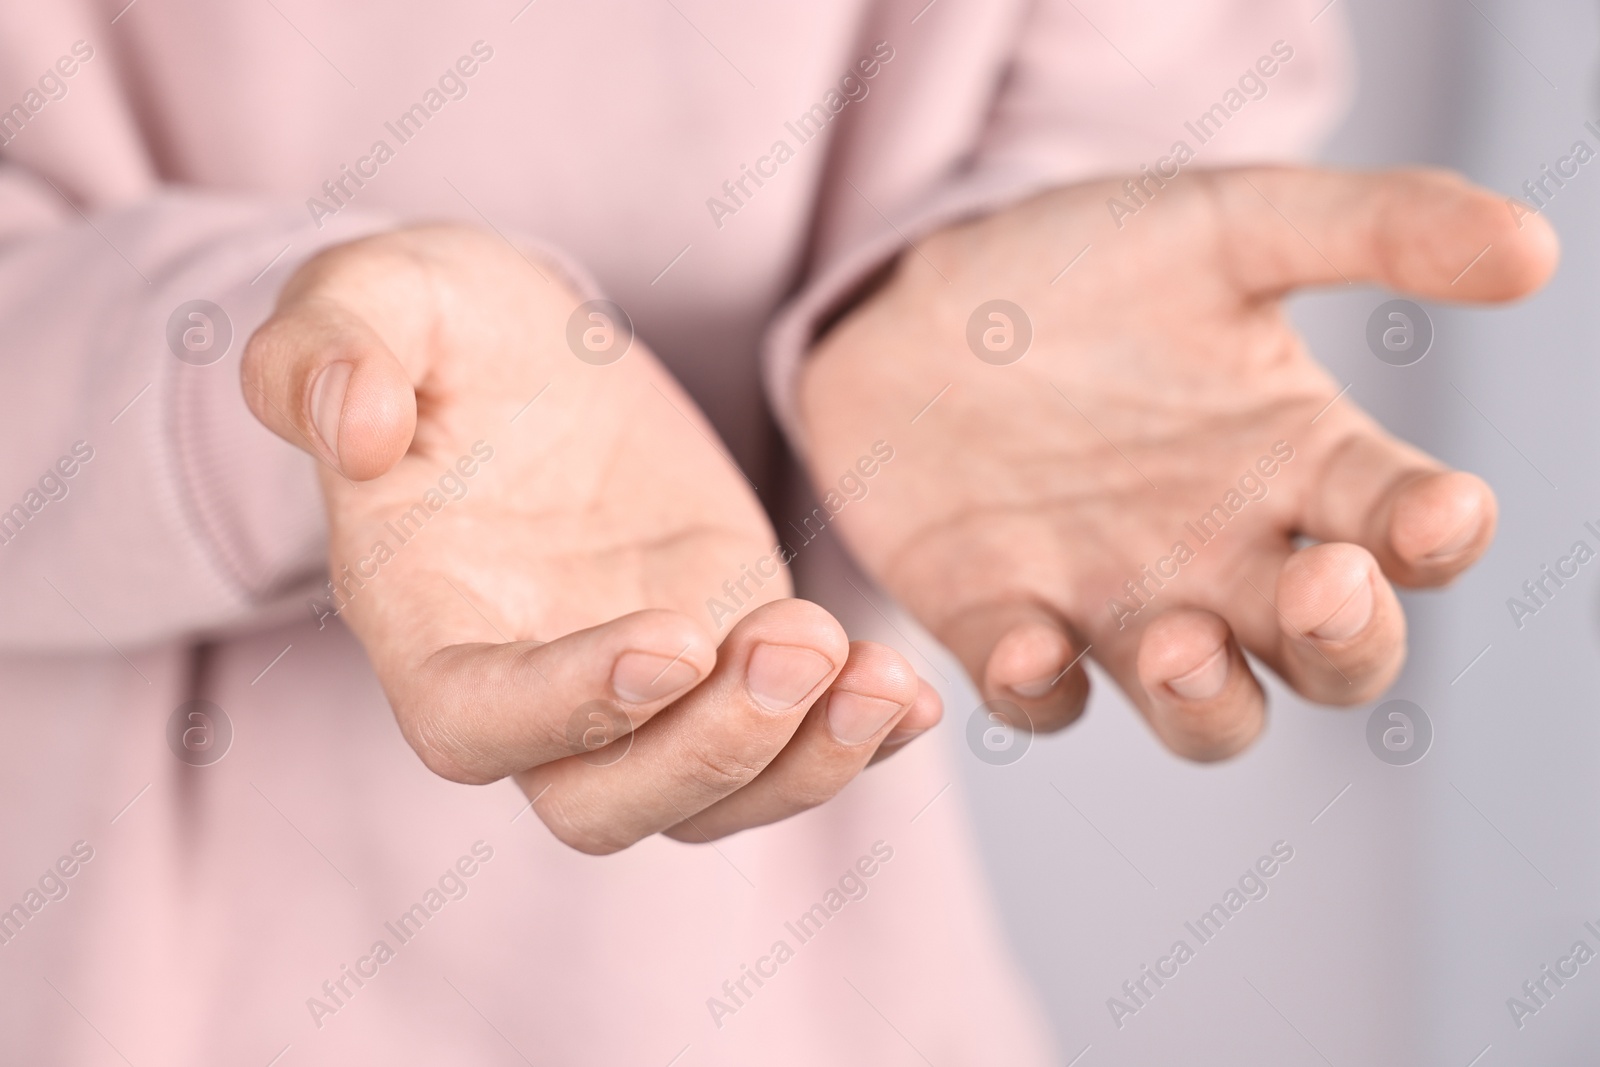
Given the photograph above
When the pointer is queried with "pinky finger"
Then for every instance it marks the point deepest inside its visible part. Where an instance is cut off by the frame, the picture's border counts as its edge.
(926, 712)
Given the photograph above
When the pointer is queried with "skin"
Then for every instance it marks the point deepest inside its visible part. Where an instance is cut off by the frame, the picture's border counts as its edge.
(1161, 368)
(577, 564)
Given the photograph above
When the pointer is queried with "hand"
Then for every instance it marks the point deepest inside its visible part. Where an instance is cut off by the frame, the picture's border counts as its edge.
(508, 561)
(1163, 376)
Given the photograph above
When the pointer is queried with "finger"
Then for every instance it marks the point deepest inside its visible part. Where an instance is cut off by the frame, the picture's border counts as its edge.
(770, 669)
(1019, 651)
(834, 742)
(1194, 686)
(478, 712)
(1424, 524)
(925, 713)
(1426, 232)
(321, 378)
(1342, 633)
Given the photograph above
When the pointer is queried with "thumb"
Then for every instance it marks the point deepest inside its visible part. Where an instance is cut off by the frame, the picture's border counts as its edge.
(321, 378)
(1425, 232)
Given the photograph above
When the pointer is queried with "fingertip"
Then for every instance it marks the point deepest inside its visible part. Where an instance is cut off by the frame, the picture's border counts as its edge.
(1326, 592)
(788, 651)
(872, 692)
(665, 654)
(1201, 698)
(1020, 650)
(690, 633)
(367, 420)
(879, 671)
(1175, 645)
(1441, 523)
(1449, 238)
(1343, 633)
(795, 621)
(1035, 664)
(927, 711)
(1538, 251)
(1519, 250)
(1028, 660)
(321, 379)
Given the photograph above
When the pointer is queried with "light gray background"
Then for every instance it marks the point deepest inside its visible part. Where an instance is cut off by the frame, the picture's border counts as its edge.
(1422, 899)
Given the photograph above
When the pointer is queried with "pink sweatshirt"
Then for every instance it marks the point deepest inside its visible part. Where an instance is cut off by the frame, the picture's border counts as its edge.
(317, 895)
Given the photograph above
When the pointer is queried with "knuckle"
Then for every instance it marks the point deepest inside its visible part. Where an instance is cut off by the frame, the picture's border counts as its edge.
(254, 368)
(812, 792)
(581, 830)
(443, 750)
(719, 771)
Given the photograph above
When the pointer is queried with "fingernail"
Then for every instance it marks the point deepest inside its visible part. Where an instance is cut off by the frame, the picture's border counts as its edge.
(1464, 536)
(640, 677)
(327, 402)
(1205, 681)
(853, 718)
(1035, 689)
(780, 676)
(1352, 616)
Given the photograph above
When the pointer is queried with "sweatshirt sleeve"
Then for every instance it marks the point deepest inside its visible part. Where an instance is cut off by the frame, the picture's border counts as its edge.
(139, 498)
(1073, 90)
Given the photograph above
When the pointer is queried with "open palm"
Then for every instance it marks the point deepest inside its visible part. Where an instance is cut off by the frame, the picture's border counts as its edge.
(1134, 477)
(527, 517)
